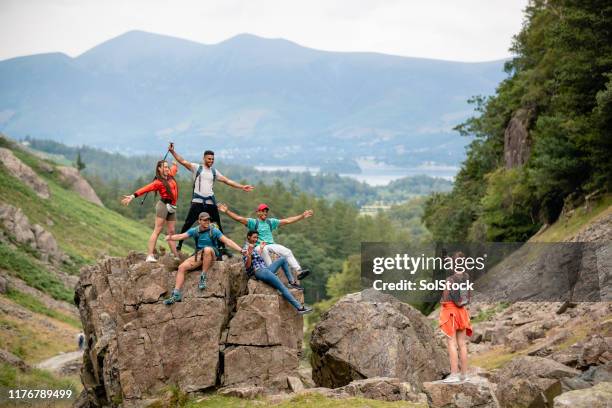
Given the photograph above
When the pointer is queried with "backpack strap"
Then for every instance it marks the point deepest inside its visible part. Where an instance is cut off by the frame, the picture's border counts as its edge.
(214, 172)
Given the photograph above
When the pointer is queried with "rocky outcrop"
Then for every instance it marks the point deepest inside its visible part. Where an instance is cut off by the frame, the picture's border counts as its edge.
(9, 358)
(223, 336)
(384, 389)
(531, 381)
(369, 334)
(597, 397)
(517, 144)
(17, 225)
(23, 172)
(476, 391)
(78, 184)
(550, 272)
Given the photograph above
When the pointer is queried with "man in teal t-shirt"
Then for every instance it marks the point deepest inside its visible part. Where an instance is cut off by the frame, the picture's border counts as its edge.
(264, 227)
(207, 249)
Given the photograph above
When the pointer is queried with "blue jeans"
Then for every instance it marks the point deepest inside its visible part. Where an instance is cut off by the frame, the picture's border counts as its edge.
(268, 275)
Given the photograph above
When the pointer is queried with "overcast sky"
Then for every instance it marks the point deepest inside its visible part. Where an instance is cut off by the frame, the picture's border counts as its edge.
(461, 30)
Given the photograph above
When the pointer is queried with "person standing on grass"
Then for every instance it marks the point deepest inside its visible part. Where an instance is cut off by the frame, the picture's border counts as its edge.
(256, 268)
(165, 209)
(203, 198)
(207, 239)
(265, 242)
(455, 322)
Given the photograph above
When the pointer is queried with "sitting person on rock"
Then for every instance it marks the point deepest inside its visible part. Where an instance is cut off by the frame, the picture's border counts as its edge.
(207, 240)
(264, 227)
(455, 321)
(256, 268)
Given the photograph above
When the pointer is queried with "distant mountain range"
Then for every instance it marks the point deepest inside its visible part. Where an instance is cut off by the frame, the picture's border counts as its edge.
(253, 100)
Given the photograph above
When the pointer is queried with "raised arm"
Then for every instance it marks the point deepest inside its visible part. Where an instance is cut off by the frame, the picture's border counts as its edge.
(232, 183)
(179, 158)
(296, 218)
(223, 208)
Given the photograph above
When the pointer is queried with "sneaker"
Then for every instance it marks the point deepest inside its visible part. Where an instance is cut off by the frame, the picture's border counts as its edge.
(304, 310)
(202, 282)
(303, 273)
(175, 297)
(453, 378)
(464, 377)
(150, 258)
(295, 286)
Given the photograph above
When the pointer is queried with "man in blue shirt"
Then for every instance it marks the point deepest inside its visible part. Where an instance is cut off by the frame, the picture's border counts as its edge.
(264, 227)
(256, 267)
(207, 240)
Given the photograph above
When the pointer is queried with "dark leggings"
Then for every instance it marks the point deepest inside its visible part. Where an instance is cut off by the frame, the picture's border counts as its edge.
(268, 275)
(192, 217)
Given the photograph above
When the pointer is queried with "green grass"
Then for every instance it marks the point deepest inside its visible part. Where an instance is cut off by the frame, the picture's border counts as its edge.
(34, 340)
(28, 269)
(12, 377)
(299, 401)
(34, 379)
(32, 303)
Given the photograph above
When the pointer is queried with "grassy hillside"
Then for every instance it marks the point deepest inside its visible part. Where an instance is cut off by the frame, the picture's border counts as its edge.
(83, 230)
(32, 328)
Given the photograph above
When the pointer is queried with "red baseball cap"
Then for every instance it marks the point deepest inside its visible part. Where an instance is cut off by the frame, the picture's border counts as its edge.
(262, 207)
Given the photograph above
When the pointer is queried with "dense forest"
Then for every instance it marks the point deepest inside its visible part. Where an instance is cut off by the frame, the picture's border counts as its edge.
(120, 170)
(559, 87)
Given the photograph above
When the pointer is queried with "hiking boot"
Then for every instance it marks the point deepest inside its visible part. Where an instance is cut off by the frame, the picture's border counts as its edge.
(453, 378)
(295, 286)
(151, 259)
(304, 310)
(202, 282)
(303, 273)
(175, 297)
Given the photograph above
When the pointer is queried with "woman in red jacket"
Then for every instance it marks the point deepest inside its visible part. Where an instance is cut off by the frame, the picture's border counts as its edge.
(165, 210)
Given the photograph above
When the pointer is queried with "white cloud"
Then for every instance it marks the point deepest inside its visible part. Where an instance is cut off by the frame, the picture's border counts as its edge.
(466, 30)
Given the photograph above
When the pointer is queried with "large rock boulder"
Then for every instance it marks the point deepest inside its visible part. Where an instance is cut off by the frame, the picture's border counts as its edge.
(24, 173)
(600, 396)
(476, 391)
(369, 334)
(78, 184)
(136, 345)
(531, 381)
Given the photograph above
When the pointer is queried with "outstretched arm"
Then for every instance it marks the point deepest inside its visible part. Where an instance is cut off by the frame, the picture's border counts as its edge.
(223, 208)
(230, 243)
(296, 218)
(232, 183)
(155, 185)
(179, 158)
(177, 237)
